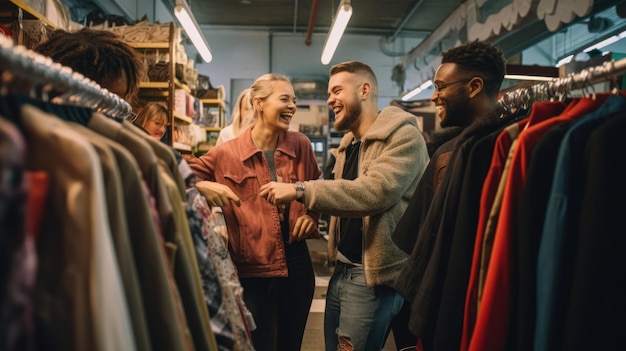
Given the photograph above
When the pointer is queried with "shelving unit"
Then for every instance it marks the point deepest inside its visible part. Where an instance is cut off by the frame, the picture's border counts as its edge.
(165, 90)
(212, 131)
(30, 12)
(218, 104)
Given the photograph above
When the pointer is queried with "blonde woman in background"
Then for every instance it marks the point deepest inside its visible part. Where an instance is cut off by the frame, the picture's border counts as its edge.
(243, 116)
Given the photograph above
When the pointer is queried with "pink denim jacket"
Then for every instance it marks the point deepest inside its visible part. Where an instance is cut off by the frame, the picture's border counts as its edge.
(255, 241)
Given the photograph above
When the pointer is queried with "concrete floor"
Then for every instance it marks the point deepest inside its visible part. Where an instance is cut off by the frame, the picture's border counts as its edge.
(314, 334)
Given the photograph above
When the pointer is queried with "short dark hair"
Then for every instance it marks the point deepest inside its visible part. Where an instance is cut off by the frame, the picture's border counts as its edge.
(354, 67)
(96, 54)
(481, 59)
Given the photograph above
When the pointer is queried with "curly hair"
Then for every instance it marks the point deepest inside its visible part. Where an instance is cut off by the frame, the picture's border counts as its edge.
(481, 59)
(96, 54)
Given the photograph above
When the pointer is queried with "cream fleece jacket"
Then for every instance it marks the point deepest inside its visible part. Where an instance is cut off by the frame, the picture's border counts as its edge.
(392, 160)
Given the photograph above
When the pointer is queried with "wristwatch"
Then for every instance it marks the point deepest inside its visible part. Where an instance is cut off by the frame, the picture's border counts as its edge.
(299, 190)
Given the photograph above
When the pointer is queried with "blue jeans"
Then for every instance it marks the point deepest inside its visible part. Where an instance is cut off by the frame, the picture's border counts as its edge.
(357, 317)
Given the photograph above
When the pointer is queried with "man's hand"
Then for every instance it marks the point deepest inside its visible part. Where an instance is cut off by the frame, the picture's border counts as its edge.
(217, 194)
(278, 193)
(304, 227)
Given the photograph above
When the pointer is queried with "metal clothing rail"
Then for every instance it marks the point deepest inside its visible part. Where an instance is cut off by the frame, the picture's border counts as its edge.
(40, 71)
(559, 88)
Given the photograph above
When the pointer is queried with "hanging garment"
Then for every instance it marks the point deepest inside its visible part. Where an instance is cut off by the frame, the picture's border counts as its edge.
(596, 300)
(554, 273)
(119, 232)
(492, 330)
(17, 257)
(490, 201)
(220, 281)
(423, 275)
(79, 303)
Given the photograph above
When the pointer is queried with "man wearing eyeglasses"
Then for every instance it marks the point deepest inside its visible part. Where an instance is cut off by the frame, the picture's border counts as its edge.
(466, 96)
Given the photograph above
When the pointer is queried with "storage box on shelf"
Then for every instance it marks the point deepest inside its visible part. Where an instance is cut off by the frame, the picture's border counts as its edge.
(213, 121)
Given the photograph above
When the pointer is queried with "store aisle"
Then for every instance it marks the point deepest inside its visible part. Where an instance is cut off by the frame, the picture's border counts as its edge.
(314, 334)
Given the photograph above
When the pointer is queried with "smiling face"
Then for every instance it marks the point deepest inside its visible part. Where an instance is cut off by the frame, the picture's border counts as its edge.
(156, 128)
(278, 108)
(451, 95)
(343, 99)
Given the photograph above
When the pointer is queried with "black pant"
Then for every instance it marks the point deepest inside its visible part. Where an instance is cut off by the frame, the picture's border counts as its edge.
(403, 337)
(280, 306)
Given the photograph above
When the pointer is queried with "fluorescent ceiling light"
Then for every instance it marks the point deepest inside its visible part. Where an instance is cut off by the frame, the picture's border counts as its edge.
(600, 45)
(527, 77)
(417, 90)
(606, 42)
(191, 27)
(564, 60)
(344, 12)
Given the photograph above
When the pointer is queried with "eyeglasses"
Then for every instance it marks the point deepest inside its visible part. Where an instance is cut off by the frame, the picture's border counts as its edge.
(440, 87)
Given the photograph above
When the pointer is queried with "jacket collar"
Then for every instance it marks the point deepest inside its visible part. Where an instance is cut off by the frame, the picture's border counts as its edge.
(248, 149)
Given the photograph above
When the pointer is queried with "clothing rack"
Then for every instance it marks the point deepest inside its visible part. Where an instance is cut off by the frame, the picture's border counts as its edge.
(40, 71)
(561, 87)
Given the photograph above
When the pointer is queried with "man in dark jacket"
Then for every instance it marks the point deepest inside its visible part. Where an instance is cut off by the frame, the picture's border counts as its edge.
(466, 89)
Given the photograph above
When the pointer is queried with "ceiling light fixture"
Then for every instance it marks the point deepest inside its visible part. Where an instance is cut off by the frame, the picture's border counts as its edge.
(344, 12)
(598, 46)
(417, 90)
(191, 27)
(528, 77)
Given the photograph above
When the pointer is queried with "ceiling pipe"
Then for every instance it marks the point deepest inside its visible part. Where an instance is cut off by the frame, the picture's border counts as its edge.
(295, 17)
(404, 21)
(309, 32)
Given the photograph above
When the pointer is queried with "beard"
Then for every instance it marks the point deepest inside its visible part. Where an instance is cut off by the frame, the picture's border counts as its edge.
(456, 114)
(351, 113)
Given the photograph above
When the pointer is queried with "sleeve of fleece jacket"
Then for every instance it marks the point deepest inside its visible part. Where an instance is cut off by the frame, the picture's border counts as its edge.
(389, 166)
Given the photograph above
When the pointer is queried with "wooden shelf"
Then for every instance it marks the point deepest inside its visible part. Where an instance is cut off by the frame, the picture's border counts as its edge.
(181, 147)
(149, 45)
(154, 85)
(32, 12)
(183, 118)
(213, 102)
(163, 86)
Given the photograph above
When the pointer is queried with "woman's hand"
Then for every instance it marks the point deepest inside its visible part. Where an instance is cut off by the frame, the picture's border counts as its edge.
(304, 227)
(217, 194)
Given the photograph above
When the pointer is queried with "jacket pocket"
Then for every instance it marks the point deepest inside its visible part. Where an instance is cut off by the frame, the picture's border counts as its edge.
(245, 186)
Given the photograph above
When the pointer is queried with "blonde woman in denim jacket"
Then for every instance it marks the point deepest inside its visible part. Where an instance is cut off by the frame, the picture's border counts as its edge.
(266, 241)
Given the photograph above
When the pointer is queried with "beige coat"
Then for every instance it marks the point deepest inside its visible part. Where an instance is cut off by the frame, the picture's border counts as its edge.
(392, 159)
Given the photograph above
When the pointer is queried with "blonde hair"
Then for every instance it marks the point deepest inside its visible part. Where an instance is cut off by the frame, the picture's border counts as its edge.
(152, 111)
(238, 121)
(264, 86)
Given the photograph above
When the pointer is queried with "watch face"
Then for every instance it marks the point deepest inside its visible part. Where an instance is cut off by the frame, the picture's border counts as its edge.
(299, 186)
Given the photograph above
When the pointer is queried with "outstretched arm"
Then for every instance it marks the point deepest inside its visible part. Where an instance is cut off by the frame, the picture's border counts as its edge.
(278, 193)
(217, 194)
